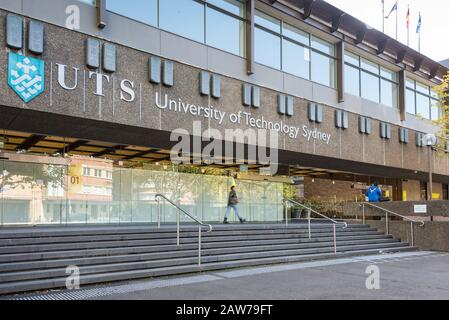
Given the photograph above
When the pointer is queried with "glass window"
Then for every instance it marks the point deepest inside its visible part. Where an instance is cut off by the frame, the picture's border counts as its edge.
(295, 59)
(410, 84)
(295, 34)
(141, 10)
(232, 40)
(352, 80)
(323, 46)
(267, 47)
(352, 59)
(233, 6)
(267, 22)
(323, 69)
(92, 2)
(410, 102)
(370, 87)
(434, 94)
(423, 106)
(422, 88)
(389, 93)
(369, 66)
(387, 74)
(434, 110)
(183, 17)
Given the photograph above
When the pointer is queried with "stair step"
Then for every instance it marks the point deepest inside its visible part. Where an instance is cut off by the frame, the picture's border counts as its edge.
(153, 242)
(182, 252)
(166, 235)
(24, 286)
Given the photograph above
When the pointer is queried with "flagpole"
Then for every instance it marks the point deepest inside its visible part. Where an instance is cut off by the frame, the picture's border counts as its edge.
(408, 26)
(383, 16)
(397, 19)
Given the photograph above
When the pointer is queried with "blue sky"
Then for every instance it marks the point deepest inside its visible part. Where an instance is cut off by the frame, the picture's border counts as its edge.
(434, 30)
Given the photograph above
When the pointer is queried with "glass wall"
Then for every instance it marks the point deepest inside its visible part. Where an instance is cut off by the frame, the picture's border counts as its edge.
(370, 81)
(218, 23)
(281, 46)
(421, 100)
(94, 191)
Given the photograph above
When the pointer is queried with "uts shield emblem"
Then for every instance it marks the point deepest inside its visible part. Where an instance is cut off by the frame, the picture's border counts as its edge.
(26, 76)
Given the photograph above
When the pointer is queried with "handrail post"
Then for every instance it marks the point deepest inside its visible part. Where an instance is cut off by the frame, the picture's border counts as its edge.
(412, 235)
(158, 212)
(286, 213)
(363, 214)
(335, 239)
(387, 228)
(177, 227)
(308, 218)
(199, 245)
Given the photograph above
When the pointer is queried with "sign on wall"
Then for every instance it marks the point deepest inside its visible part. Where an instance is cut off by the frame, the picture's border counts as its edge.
(420, 208)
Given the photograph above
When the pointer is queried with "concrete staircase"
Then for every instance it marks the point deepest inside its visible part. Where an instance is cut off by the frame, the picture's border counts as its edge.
(36, 258)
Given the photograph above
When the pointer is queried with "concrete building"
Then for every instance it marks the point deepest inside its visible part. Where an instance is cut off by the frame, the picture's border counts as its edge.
(91, 93)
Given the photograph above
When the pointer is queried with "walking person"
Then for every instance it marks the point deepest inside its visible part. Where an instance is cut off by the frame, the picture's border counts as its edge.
(233, 201)
(374, 193)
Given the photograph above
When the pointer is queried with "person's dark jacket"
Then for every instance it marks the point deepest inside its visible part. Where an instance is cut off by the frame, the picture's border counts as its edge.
(233, 199)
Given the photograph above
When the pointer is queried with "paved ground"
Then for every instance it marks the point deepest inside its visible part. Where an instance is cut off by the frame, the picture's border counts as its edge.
(413, 275)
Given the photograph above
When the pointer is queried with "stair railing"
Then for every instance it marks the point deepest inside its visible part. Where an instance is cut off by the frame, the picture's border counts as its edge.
(389, 212)
(335, 223)
(178, 213)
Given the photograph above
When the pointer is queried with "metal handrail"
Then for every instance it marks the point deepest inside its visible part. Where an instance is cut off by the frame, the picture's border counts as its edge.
(200, 223)
(387, 227)
(309, 210)
(394, 213)
(316, 212)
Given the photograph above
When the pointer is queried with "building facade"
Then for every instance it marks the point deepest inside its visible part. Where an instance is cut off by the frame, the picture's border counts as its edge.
(91, 93)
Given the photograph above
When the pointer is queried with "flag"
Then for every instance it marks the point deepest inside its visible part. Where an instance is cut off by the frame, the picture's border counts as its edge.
(395, 7)
(418, 27)
(408, 18)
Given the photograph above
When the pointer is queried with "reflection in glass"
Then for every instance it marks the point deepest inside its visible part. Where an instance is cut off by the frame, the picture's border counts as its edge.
(389, 93)
(423, 106)
(267, 22)
(352, 80)
(295, 59)
(183, 17)
(295, 34)
(140, 10)
(410, 100)
(323, 69)
(267, 49)
(370, 87)
(232, 40)
(235, 7)
(323, 46)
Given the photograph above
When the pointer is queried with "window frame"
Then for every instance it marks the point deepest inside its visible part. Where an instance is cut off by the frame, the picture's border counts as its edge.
(378, 75)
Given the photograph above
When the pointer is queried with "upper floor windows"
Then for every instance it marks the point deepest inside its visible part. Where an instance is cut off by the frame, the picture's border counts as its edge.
(218, 23)
(141, 10)
(422, 100)
(91, 2)
(284, 47)
(370, 81)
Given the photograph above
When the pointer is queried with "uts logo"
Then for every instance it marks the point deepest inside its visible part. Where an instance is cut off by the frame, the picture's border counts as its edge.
(26, 76)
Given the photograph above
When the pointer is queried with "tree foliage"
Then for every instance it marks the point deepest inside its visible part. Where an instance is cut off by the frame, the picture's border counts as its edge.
(443, 121)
